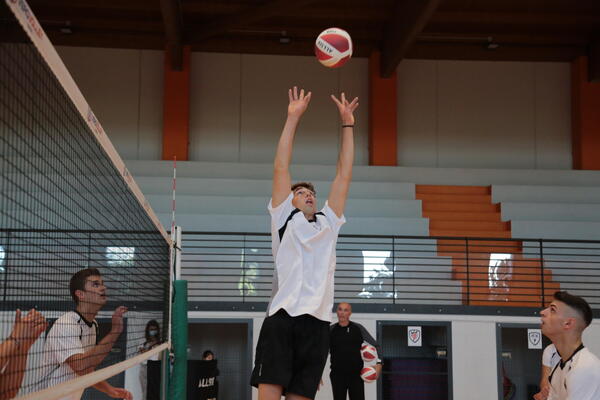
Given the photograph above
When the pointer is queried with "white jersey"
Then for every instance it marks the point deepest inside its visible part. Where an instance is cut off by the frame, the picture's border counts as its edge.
(550, 357)
(576, 379)
(304, 260)
(69, 335)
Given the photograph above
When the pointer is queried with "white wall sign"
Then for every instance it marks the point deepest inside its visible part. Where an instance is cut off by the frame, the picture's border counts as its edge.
(534, 338)
(414, 336)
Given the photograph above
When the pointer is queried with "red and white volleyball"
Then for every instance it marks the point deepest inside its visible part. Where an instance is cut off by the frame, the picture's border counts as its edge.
(368, 374)
(333, 47)
(368, 352)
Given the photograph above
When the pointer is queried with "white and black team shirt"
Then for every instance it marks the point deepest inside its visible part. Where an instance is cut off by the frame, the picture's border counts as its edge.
(71, 334)
(577, 378)
(304, 254)
(550, 356)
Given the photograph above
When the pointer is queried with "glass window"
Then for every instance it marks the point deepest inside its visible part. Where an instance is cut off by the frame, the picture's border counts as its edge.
(2, 257)
(375, 272)
(120, 256)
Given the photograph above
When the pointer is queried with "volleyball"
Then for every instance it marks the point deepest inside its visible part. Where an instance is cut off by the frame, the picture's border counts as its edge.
(333, 47)
(368, 374)
(368, 352)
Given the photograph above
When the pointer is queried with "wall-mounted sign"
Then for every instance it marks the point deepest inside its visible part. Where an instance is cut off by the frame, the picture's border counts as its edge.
(414, 336)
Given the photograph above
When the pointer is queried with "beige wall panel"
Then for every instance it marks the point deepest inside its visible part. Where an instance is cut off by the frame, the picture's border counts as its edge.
(151, 105)
(265, 81)
(215, 107)
(354, 82)
(485, 114)
(450, 113)
(110, 80)
(474, 360)
(417, 113)
(553, 115)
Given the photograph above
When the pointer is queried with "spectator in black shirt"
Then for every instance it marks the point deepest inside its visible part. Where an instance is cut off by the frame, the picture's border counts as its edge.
(346, 338)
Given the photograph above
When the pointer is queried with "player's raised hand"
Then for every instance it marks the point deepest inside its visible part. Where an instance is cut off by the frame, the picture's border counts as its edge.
(28, 328)
(117, 319)
(298, 102)
(345, 108)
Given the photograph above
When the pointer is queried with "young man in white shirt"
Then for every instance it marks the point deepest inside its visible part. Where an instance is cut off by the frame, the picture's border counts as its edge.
(577, 374)
(70, 349)
(294, 339)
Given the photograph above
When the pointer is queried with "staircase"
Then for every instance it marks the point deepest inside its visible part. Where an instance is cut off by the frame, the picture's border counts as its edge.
(492, 272)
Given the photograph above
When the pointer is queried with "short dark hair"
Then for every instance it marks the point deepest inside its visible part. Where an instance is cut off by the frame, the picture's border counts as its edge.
(207, 353)
(78, 281)
(306, 185)
(578, 303)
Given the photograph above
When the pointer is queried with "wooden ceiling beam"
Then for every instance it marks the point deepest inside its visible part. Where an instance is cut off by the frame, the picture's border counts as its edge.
(409, 19)
(540, 39)
(110, 26)
(276, 31)
(94, 5)
(171, 12)
(514, 18)
(249, 15)
(121, 40)
(478, 52)
(303, 47)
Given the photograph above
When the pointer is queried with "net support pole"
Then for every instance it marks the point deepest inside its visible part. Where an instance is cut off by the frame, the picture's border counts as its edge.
(177, 388)
(177, 241)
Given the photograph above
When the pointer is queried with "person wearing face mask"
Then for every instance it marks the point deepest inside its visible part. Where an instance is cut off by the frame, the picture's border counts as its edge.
(152, 339)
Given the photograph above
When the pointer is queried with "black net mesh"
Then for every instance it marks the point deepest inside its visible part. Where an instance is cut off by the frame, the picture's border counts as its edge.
(64, 207)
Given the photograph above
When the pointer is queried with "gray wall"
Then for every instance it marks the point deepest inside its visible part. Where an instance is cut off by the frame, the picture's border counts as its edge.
(484, 114)
(450, 113)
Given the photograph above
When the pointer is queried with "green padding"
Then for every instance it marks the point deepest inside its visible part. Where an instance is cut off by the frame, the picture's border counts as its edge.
(177, 386)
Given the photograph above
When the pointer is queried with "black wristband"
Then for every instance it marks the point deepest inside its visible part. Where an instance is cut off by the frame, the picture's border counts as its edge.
(347, 126)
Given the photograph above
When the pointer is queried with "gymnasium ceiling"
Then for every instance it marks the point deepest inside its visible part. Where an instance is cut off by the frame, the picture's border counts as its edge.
(516, 30)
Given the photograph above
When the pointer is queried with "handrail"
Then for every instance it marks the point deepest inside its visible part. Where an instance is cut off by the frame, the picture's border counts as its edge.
(390, 269)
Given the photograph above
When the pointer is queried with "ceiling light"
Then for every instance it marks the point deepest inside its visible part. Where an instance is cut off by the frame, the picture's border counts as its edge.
(491, 45)
(284, 38)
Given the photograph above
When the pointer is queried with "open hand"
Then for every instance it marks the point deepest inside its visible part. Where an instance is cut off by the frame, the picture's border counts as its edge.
(120, 393)
(298, 102)
(27, 329)
(117, 319)
(346, 108)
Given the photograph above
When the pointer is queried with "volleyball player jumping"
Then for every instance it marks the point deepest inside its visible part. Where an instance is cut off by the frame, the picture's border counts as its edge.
(294, 339)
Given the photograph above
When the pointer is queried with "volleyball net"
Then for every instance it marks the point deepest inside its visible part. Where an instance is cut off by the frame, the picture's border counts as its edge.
(67, 204)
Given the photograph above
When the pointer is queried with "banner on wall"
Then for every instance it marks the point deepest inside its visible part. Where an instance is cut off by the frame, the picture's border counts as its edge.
(414, 336)
(534, 338)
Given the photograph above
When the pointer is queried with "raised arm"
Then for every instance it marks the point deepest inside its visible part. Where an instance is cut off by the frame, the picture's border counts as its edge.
(343, 176)
(282, 180)
(13, 351)
(84, 363)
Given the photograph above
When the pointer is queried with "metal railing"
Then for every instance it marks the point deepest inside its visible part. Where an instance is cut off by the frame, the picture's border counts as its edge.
(37, 264)
(403, 270)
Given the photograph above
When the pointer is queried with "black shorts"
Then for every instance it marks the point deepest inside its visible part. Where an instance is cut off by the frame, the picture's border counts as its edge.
(291, 352)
